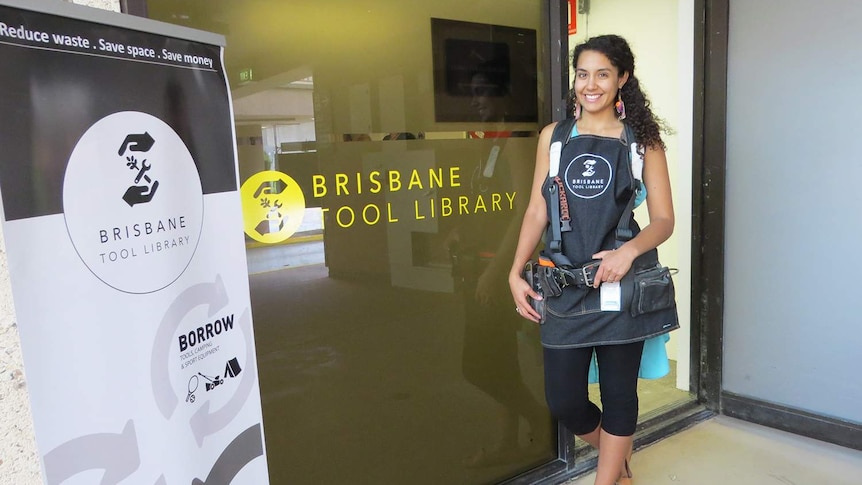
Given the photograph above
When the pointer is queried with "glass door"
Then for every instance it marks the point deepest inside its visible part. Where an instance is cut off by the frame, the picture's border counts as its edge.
(386, 150)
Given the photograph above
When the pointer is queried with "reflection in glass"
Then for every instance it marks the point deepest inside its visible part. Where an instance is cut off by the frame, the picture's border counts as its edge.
(389, 351)
(481, 252)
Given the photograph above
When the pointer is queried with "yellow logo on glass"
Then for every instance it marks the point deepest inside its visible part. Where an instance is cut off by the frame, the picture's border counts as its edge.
(272, 206)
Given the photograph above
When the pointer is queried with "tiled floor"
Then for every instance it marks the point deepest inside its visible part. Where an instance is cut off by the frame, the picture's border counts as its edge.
(726, 451)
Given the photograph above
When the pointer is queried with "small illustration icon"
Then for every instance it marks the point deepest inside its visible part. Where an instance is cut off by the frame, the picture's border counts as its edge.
(193, 386)
(137, 143)
(270, 187)
(232, 369)
(138, 194)
(213, 382)
(273, 206)
(274, 220)
(589, 165)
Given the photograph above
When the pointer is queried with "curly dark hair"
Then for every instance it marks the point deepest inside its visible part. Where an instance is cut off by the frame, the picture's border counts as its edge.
(646, 125)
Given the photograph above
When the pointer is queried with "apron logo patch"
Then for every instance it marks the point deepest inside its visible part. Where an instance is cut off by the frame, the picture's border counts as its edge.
(588, 175)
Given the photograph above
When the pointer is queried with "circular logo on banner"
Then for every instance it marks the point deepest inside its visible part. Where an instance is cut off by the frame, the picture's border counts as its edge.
(133, 202)
(589, 175)
(272, 206)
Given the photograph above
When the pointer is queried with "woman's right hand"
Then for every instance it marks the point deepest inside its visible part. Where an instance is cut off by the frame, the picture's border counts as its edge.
(534, 224)
(522, 293)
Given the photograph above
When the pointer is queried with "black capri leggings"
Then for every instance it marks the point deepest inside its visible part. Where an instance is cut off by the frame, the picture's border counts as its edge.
(566, 374)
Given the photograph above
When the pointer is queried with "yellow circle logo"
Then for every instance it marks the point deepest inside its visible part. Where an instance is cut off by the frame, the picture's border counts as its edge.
(272, 206)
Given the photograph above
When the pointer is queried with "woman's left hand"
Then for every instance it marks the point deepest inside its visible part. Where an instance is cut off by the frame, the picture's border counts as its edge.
(615, 264)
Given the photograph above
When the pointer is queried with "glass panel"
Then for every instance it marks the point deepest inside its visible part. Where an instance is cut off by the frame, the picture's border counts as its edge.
(385, 158)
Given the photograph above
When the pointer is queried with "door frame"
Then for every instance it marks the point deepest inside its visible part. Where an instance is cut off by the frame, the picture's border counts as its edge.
(708, 192)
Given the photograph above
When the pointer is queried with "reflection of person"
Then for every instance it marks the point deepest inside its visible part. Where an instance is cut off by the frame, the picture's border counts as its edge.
(490, 92)
(481, 248)
(574, 324)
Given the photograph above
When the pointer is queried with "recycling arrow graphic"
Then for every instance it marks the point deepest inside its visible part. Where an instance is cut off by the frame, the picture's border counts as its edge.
(241, 451)
(117, 454)
(204, 423)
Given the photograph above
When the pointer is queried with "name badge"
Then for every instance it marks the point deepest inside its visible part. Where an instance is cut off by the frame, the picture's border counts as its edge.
(611, 296)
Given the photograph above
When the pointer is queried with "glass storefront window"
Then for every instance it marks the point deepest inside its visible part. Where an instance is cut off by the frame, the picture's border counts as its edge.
(386, 151)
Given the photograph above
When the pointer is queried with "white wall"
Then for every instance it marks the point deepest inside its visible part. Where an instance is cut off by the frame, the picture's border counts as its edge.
(19, 461)
(661, 35)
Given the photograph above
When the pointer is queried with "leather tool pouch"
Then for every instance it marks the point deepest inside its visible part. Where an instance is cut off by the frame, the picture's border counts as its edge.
(653, 290)
(531, 275)
(548, 282)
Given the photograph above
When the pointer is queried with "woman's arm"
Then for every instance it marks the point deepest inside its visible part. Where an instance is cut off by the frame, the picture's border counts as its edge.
(534, 224)
(615, 264)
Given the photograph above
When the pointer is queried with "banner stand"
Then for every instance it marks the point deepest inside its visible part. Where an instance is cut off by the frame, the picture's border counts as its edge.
(124, 235)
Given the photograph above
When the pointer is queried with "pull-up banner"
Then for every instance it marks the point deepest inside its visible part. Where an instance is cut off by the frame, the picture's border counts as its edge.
(123, 228)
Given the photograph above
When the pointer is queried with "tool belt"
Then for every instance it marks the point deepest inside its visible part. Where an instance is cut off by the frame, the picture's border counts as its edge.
(550, 279)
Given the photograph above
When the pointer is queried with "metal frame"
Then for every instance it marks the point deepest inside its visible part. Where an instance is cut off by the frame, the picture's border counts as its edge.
(708, 186)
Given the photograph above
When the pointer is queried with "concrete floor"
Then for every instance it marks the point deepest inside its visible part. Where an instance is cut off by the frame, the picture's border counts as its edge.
(726, 451)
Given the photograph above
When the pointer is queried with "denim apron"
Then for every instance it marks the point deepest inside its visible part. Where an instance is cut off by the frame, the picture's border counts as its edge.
(597, 178)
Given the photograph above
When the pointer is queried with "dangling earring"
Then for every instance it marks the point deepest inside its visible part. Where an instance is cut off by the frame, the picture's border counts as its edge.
(576, 111)
(620, 106)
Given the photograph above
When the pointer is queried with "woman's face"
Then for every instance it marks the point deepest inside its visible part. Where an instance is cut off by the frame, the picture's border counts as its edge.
(597, 82)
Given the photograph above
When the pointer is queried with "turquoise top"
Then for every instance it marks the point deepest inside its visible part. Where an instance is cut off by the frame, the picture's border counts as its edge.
(654, 361)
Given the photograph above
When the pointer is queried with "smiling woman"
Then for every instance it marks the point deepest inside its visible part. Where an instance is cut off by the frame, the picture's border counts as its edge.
(588, 318)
